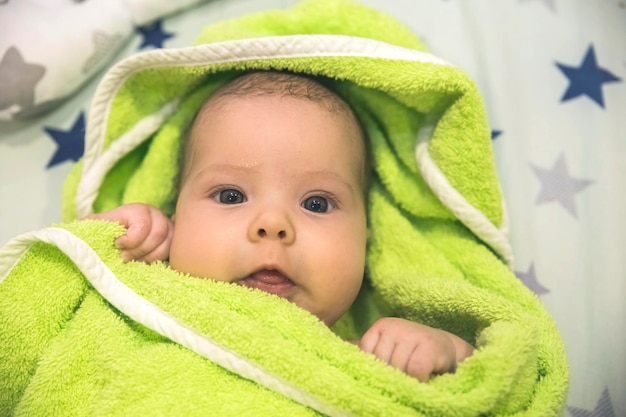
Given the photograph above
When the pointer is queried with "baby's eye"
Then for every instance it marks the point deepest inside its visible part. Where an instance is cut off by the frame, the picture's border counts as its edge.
(317, 204)
(231, 196)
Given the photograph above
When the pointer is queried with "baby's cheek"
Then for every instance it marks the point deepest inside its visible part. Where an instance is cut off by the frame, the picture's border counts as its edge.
(186, 253)
(342, 292)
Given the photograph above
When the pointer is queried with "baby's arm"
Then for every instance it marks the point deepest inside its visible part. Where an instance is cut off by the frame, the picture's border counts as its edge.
(417, 350)
(148, 231)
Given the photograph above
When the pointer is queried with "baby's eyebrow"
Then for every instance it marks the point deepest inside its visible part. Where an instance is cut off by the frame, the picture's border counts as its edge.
(327, 175)
(225, 167)
(251, 168)
(248, 166)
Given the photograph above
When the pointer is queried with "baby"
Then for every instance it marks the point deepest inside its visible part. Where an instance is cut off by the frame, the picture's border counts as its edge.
(273, 197)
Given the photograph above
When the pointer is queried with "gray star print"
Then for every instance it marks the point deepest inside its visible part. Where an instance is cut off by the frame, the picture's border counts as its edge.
(604, 408)
(530, 280)
(17, 82)
(557, 185)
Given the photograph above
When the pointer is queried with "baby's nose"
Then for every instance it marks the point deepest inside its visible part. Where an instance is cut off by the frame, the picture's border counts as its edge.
(282, 234)
(273, 225)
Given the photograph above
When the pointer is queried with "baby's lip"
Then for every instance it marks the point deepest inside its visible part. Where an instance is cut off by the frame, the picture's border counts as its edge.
(271, 281)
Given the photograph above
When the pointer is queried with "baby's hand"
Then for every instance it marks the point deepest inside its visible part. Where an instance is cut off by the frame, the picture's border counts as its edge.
(148, 231)
(417, 350)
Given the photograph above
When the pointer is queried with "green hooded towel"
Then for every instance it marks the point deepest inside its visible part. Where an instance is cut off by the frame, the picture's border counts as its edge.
(84, 334)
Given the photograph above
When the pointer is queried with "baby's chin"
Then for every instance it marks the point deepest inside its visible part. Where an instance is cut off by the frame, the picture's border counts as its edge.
(328, 317)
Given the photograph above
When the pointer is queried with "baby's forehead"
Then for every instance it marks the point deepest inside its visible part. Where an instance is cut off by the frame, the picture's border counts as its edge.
(342, 118)
(272, 84)
(215, 107)
(336, 108)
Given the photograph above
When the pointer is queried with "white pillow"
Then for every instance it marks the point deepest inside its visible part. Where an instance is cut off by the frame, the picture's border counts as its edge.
(50, 48)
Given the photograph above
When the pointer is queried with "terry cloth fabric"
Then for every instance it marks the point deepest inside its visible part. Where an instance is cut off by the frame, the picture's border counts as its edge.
(83, 333)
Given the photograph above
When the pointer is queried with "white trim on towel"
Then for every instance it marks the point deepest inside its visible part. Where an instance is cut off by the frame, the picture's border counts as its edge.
(270, 47)
(470, 216)
(143, 311)
(94, 175)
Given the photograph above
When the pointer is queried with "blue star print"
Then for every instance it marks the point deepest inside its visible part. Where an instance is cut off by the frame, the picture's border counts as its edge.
(154, 35)
(587, 79)
(70, 144)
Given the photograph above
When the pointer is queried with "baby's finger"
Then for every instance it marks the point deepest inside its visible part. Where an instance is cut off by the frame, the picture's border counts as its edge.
(384, 348)
(127, 255)
(137, 231)
(431, 358)
(134, 217)
(420, 364)
(155, 246)
(162, 251)
(401, 354)
(369, 340)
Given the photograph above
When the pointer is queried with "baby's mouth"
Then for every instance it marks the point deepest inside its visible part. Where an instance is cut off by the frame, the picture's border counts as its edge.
(270, 281)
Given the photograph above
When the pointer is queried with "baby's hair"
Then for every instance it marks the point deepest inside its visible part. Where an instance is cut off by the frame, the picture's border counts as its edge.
(284, 84)
(281, 84)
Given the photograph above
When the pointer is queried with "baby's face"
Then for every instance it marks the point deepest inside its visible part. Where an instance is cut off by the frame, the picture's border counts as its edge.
(273, 199)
